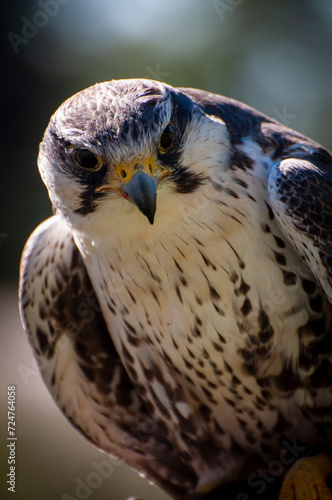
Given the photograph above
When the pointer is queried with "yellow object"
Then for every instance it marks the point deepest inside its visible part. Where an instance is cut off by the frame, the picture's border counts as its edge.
(306, 479)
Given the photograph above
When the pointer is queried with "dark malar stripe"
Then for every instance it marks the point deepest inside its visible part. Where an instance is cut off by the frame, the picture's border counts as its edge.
(186, 181)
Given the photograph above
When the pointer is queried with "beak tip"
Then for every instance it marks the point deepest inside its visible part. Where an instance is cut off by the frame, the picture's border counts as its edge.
(141, 190)
(151, 219)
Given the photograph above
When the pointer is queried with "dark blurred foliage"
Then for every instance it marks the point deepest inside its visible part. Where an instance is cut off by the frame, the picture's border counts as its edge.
(272, 54)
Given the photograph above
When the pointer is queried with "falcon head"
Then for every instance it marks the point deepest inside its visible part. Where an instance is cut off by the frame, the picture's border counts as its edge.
(124, 148)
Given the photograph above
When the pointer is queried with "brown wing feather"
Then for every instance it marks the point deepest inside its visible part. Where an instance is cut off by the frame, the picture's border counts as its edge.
(80, 365)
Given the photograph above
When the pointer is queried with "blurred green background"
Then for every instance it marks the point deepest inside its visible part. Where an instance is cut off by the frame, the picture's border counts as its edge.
(272, 54)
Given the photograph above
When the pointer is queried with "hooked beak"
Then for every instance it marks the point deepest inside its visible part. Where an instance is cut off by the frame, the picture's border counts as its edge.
(142, 191)
(137, 181)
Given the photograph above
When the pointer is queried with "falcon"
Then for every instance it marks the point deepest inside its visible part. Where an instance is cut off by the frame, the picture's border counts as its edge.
(179, 300)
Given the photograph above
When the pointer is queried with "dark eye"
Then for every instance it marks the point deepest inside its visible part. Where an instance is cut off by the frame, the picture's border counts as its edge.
(85, 159)
(166, 139)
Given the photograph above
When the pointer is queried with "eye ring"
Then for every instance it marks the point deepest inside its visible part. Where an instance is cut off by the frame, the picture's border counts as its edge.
(166, 139)
(84, 158)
